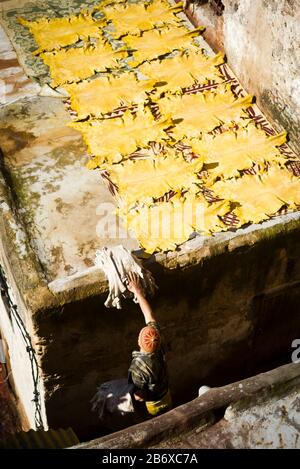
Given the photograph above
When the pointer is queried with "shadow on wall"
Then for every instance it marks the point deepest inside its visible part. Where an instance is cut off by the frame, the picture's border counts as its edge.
(224, 318)
(260, 42)
(208, 13)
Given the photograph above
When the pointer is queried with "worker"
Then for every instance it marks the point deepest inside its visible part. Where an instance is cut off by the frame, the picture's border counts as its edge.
(148, 372)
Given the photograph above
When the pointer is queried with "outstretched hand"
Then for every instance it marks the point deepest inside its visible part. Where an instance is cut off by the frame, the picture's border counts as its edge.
(134, 283)
(135, 287)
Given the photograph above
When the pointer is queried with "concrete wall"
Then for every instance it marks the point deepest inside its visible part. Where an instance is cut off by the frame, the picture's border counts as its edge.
(19, 363)
(228, 316)
(261, 40)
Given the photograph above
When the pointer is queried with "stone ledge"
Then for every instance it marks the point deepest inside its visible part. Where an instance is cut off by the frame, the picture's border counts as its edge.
(190, 253)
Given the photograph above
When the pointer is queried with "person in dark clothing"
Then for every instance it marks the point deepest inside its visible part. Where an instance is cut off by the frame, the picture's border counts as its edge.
(148, 371)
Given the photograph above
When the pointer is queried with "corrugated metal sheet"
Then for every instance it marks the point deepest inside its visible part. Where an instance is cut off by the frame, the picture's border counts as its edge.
(51, 439)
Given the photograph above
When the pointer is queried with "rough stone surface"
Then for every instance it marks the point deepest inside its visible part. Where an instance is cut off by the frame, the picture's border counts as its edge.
(262, 43)
(14, 84)
(270, 420)
(250, 403)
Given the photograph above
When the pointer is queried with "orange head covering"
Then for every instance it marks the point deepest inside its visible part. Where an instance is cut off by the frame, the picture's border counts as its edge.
(149, 339)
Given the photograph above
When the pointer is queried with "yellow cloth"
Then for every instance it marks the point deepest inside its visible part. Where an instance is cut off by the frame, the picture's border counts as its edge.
(187, 120)
(136, 17)
(158, 42)
(144, 179)
(182, 71)
(165, 225)
(54, 33)
(111, 139)
(260, 197)
(156, 407)
(230, 152)
(103, 94)
(67, 66)
(204, 111)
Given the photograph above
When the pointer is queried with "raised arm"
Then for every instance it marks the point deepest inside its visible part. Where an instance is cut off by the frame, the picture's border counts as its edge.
(134, 287)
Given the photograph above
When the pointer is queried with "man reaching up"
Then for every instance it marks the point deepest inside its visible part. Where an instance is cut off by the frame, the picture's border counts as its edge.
(148, 372)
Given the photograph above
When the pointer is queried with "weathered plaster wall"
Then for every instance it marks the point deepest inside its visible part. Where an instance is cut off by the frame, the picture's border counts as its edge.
(19, 363)
(270, 422)
(261, 40)
(267, 420)
(225, 317)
